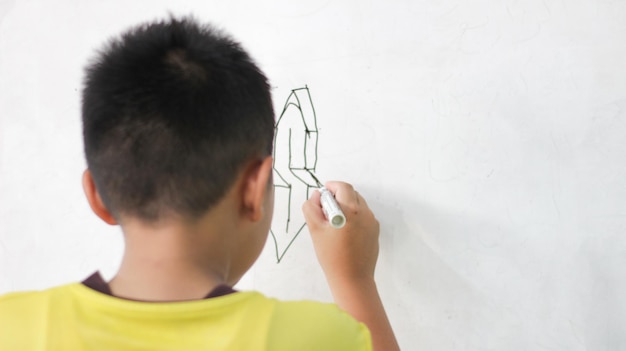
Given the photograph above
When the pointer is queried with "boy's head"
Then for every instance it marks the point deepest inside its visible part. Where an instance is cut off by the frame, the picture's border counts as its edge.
(172, 111)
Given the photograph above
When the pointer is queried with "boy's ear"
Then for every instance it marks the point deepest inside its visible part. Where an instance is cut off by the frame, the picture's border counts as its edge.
(94, 199)
(255, 188)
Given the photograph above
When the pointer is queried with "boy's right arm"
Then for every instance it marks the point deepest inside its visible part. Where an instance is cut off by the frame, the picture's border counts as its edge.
(348, 257)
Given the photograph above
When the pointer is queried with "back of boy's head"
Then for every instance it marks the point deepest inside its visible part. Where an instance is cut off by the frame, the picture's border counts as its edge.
(172, 111)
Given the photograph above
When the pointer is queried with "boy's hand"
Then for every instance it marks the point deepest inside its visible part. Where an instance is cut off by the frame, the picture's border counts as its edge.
(347, 255)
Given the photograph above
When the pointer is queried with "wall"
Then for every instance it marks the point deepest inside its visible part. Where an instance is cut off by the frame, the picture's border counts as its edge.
(488, 137)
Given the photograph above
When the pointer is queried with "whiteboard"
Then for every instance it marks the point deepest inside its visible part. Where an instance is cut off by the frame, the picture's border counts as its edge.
(488, 137)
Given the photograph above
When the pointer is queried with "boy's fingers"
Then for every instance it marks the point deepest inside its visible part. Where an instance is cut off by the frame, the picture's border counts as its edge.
(344, 193)
(360, 200)
(336, 186)
(312, 209)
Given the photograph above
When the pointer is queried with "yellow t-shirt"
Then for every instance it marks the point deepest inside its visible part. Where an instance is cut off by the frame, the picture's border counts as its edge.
(75, 317)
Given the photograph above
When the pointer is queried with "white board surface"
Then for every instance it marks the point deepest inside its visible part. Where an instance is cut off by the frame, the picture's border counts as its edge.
(489, 137)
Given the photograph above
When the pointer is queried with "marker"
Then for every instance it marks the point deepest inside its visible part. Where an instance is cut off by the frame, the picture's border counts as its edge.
(331, 209)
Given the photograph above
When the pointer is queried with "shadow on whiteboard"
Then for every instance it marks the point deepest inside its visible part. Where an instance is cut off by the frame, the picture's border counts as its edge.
(425, 274)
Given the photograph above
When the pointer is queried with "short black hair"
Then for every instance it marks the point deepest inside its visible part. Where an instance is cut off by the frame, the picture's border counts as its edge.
(172, 110)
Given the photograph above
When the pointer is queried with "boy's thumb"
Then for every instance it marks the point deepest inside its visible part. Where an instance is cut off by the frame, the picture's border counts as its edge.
(312, 210)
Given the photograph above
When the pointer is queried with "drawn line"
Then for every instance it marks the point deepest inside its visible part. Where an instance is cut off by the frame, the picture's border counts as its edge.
(280, 258)
(311, 135)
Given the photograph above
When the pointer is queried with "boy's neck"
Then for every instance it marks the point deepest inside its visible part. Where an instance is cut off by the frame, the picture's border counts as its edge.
(163, 281)
(171, 262)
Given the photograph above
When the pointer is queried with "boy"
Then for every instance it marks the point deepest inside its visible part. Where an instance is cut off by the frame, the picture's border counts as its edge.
(178, 127)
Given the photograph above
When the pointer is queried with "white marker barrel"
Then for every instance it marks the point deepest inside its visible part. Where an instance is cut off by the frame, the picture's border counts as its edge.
(331, 209)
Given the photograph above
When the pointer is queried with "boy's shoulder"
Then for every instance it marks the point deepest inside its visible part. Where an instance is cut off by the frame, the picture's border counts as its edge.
(304, 325)
(22, 305)
(245, 317)
(21, 314)
(317, 323)
(21, 301)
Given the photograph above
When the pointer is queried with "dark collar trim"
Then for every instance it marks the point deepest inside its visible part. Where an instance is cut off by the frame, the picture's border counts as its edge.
(98, 284)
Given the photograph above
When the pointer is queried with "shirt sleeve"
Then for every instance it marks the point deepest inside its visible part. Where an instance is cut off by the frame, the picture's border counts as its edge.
(306, 325)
